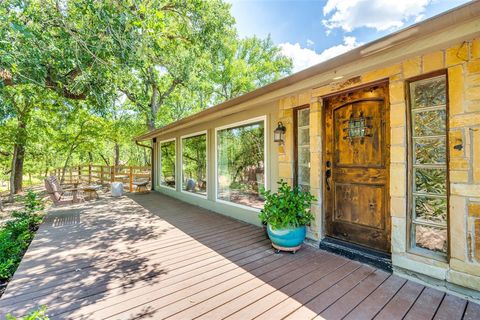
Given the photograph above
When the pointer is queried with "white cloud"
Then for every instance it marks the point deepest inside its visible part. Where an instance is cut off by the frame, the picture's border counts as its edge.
(378, 14)
(304, 57)
(310, 43)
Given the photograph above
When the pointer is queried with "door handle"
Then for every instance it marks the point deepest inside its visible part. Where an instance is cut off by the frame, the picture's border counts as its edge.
(328, 174)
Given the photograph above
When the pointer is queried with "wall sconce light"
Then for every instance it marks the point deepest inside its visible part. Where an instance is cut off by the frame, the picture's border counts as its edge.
(279, 133)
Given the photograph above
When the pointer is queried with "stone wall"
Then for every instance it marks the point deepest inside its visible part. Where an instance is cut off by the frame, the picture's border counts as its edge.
(462, 62)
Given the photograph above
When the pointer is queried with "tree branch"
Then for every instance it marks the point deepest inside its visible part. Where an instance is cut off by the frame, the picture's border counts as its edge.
(62, 89)
(169, 91)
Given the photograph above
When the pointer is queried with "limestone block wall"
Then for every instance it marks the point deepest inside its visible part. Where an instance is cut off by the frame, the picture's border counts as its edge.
(286, 152)
(462, 62)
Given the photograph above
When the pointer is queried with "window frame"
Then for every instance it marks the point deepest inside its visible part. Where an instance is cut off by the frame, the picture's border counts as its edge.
(265, 156)
(295, 142)
(161, 167)
(190, 135)
(411, 243)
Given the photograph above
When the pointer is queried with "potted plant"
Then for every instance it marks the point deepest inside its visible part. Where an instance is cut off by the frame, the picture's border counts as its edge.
(286, 213)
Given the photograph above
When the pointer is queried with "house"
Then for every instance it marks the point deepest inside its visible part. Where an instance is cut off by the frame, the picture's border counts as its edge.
(386, 136)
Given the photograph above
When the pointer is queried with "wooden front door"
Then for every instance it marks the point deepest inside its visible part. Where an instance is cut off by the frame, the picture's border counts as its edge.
(356, 168)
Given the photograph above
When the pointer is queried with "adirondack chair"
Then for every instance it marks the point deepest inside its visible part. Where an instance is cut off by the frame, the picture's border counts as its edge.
(59, 195)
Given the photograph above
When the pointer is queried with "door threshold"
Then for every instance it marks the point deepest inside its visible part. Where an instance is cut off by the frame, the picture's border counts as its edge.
(356, 252)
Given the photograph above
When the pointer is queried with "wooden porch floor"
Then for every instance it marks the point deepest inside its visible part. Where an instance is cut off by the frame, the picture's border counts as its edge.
(150, 256)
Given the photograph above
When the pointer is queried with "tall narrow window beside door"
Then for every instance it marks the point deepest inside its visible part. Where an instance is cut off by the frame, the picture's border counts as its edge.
(302, 148)
(428, 158)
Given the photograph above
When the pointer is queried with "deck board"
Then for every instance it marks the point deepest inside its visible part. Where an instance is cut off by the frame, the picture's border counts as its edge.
(151, 256)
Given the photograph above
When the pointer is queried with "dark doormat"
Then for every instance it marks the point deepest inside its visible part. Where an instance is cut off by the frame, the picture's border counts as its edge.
(359, 253)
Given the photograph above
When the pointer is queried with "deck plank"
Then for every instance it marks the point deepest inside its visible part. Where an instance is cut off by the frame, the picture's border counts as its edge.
(452, 307)
(291, 292)
(374, 303)
(328, 297)
(259, 300)
(401, 303)
(307, 294)
(472, 312)
(156, 257)
(349, 301)
(426, 305)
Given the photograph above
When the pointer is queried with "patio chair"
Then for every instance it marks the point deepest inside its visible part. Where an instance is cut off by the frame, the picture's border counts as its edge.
(59, 195)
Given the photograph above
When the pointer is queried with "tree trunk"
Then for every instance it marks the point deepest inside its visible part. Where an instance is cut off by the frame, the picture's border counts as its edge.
(104, 159)
(19, 151)
(90, 157)
(145, 157)
(45, 175)
(67, 160)
(18, 176)
(117, 154)
(12, 176)
(150, 123)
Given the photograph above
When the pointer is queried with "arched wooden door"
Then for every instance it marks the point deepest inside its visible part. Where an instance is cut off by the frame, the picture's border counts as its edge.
(357, 167)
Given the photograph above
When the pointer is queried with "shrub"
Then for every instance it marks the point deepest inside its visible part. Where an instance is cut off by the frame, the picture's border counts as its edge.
(39, 314)
(288, 208)
(17, 234)
(32, 203)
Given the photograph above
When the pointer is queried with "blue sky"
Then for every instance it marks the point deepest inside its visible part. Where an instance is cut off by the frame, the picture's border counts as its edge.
(311, 31)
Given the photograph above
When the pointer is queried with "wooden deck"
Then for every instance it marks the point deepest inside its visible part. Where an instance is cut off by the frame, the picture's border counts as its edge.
(150, 256)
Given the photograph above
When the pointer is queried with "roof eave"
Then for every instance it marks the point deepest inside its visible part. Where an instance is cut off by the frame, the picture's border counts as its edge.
(462, 13)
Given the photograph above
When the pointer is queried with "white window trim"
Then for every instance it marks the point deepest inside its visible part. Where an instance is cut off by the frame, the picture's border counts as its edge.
(160, 157)
(195, 134)
(265, 155)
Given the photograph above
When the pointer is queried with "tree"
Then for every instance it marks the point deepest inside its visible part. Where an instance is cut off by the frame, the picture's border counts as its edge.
(245, 65)
(17, 103)
(117, 65)
(176, 42)
(47, 46)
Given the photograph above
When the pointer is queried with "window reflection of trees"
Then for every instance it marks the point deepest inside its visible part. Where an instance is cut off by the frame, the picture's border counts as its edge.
(194, 153)
(167, 158)
(241, 164)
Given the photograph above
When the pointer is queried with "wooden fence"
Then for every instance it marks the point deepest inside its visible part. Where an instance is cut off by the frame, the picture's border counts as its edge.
(97, 174)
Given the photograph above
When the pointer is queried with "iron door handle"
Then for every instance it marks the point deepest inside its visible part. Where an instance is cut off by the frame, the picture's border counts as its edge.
(328, 174)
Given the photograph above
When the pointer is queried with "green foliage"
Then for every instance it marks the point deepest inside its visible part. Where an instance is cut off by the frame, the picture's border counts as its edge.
(32, 202)
(17, 234)
(194, 159)
(85, 77)
(247, 64)
(289, 207)
(240, 148)
(38, 314)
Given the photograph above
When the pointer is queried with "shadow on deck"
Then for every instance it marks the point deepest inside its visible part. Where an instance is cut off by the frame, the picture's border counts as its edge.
(151, 256)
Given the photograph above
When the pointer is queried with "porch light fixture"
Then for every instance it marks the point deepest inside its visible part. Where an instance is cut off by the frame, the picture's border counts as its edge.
(279, 133)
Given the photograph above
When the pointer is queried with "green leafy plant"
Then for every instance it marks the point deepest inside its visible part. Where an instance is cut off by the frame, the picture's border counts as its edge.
(16, 235)
(32, 203)
(38, 314)
(287, 208)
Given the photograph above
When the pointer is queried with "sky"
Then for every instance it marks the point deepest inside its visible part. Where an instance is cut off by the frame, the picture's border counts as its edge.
(312, 31)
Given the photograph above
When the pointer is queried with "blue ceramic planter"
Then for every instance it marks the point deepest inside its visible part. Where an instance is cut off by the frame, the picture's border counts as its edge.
(287, 238)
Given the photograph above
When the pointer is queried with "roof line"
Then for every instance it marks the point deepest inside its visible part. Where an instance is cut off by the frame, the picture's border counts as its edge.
(445, 19)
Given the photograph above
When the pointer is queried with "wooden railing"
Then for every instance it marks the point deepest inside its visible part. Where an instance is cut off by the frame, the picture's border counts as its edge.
(98, 174)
